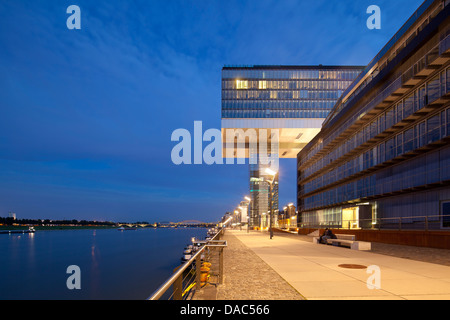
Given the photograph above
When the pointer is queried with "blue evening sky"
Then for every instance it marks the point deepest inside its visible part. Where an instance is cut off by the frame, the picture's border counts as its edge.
(86, 115)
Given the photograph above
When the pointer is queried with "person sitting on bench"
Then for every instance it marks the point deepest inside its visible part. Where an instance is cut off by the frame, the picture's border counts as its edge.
(327, 234)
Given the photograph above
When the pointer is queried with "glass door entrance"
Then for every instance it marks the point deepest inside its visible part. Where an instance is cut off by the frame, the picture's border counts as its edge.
(350, 218)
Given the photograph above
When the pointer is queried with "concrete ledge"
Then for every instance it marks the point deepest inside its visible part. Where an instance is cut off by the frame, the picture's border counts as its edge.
(419, 238)
(361, 245)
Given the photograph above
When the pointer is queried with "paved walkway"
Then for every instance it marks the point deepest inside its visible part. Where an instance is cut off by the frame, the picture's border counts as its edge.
(248, 277)
(286, 268)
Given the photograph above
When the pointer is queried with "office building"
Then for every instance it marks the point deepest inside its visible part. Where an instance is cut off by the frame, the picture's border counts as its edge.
(286, 103)
(382, 156)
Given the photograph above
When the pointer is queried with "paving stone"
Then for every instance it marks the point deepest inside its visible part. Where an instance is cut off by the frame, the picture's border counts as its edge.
(248, 277)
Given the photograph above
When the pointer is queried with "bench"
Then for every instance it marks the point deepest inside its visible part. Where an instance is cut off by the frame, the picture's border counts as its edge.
(348, 240)
(338, 236)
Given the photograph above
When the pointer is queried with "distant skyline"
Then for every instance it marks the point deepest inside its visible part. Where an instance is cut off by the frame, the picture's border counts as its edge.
(87, 115)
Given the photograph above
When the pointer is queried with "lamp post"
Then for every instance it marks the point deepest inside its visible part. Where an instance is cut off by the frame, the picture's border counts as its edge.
(289, 214)
(248, 211)
(273, 174)
(240, 217)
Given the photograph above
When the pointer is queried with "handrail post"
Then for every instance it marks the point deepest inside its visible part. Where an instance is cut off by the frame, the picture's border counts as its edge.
(197, 273)
(426, 223)
(221, 266)
(177, 288)
(399, 223)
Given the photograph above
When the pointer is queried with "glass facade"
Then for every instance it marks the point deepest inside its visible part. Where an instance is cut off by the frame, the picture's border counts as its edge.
(388, 146)
(260, 195)
(286, 92)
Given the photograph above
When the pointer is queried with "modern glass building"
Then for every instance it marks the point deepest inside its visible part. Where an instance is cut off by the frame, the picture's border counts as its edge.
(290, 103)
(382, 157)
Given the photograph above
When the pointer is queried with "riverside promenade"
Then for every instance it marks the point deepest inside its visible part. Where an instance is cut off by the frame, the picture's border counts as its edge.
(291, 267)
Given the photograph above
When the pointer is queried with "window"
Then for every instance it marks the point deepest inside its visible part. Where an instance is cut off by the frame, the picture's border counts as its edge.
(408, 108)
(399, 150)
(408, 140)
(390, 148)
(433, 89)
(381, 153)
(241, 84)
(448, 121)
(420, 134)
(445, 214)
(389, 118)
(448, 80)
(433, 133)
(382, 123)
(423, 98)
(399, 113)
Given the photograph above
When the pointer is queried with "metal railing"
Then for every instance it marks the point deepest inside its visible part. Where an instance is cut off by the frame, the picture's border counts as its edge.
(423, 223)
(187, 278)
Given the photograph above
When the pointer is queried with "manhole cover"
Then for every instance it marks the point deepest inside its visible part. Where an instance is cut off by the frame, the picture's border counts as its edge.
(352, 266)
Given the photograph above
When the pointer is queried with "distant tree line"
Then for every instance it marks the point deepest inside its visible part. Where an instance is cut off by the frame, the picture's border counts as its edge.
(10, 221)
(138, 222)
(44, 222)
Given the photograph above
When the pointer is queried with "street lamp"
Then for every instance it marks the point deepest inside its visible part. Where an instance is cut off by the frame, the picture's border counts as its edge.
(289, 213)
(240, 217)
(248, 211)
(236, 217)
(273, 174)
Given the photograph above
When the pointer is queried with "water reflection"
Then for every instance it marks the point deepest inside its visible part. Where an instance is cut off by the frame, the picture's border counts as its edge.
(31, 250)
(95, 271)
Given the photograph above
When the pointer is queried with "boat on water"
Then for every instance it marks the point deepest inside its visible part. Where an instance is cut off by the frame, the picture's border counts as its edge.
(211, 232)
(191, 249)
(30, 230)
(127, 228)
(187, 257)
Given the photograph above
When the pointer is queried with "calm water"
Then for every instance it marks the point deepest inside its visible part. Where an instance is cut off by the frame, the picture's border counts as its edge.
(114, 264)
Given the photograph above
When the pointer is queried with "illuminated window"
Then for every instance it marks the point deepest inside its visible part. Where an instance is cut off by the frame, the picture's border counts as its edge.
(241, 84)
(273, 94)
(262, 84)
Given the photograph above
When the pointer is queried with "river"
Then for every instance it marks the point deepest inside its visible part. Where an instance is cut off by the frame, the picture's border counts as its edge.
(113, 264)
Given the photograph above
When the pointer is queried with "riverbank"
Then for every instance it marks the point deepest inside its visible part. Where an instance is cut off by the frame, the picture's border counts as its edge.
(55, 227)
